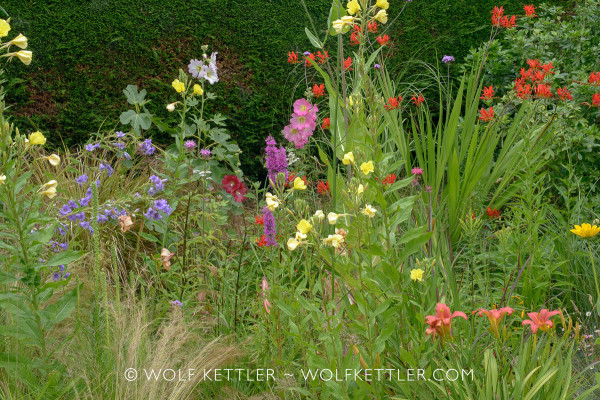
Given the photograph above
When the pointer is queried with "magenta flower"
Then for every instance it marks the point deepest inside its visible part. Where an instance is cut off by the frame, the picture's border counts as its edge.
(189, 144)
(303, 107)
(416, 171)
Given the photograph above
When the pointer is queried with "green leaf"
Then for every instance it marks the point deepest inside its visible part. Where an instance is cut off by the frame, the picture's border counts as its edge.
(64, 258)
(134, 96)
(313, 39)
(143, 120)
(60, 310)
(149, 237)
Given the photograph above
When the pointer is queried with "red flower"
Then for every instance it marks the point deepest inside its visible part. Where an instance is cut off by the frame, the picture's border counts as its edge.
(493, 213)
(355, 37)
(488, 115)
(291, 178)
(239, 195)
(530, 11)
(322, 57)
(596, 100)
(523, 91)
(383, 40)
(547, 68)
(348, 64)
(564, 94)
(540, 320)
(537, 76)
(231, 183)
(318, 91)
(389, 180)
(292, 57)
(393, 103)
(497, 14)
(259, 220)
(326, 124)
(323, 187)
(534, 64)
(309, 58)
(372, 26)
(262, 241)
(440, 324)
(526, 74)
(543, 91)
(418, 100)
(488, 93)
(595, 78)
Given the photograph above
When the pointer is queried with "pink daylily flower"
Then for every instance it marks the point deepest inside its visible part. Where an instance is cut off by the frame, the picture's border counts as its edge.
(440, 323)
(495, 317)
(264, 287)
(540, 320)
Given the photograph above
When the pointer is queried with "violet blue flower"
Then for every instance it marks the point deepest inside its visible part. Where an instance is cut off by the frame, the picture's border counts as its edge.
(270, 230)
(447, 59)
(81, 179)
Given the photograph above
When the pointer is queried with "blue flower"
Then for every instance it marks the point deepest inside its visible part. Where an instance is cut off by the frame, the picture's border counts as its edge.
(447, 59)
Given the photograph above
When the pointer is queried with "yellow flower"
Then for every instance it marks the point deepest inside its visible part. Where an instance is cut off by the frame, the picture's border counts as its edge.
(360, 189)
(304, 227)
(334, 240)
(24, 56)
(416, 274)
(2, 179)
(381, 16)
(292, 244)
(20, 41)
(586, 230)
(300, 236)
(369, 211)
(383, 4)
(353, 7)
(171, 107)
(272, 202)
(319, 215)
(178, 86)
(53, 159)
(4, 28)
(343, 24)
(367, 167)
(299, 183)
(198, 90)
(348, 158)
(333, 217)
(51, 184)
(37, 138)
(50, 192)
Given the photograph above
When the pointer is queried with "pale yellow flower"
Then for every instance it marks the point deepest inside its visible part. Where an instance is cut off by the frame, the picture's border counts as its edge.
(292, 244)
(49, 192)
(319, 215)
(178, 85)
(2, 179)
(383, 4)
(51, 184)
(53, 159)
(369, 211)
(360, 189)
(381, 16)
(353, 7)
(25, 56)
(416, 274)
(367, 167)
(37, 138)
(171, 107)
(300, 236)
(20, 41)
(586, 230)
(343, 24)
(348, 158)
(4, 28)
(333, 217)
(299, 183)
(334, 240)
(272, 202)
(198, 90)
(304, 226)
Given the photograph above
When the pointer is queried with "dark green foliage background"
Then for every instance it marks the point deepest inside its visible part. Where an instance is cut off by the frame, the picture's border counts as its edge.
(87, 52)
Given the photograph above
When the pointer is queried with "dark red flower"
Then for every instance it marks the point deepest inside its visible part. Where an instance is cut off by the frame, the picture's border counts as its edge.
(564, 94)
(493, 213)
(239, 195)
(231, 183)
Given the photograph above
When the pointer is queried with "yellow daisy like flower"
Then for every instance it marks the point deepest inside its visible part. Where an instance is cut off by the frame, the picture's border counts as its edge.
(382, 16)
(586, 230)
(383, 4)
(416, 274)
(348, 158)
(353, 7)
(20, 41)
(37, 138)
(304, 227)
(334, 240)
(178, 86)
(53, 159)
(299, 183)
(4, 28)
(367, 167)
(369, 211)
(198, 90)
(272, 202)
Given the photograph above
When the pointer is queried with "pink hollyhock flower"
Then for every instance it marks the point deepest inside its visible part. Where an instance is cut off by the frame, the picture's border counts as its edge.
(299, 137)
(303, 107)
(301, 122)
(240, 192)
(440, 323)
(231, 183)
(495, 317)
(540, 320)
(264, 288)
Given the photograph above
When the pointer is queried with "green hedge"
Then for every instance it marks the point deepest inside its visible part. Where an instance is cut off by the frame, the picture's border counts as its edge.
(87, 52)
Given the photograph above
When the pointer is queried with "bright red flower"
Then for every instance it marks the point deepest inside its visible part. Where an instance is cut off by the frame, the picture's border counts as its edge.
(523, 91)
(540, 320)
(322, 56)
(323, 187)
(310, 59)
(526, 74)
(530, 11)
(508, 22)
(258, 220)
(497, 14)
(326, 123)
(318, 90)
(231, 183)
(348, 64)
(239, 195)
(372, 26)
(534, 64)
(292, 57)
(389, 180)
(595, 78)
(418, 100)
(488, 93)
(547, 68)
(393, 103)
(492, 213)
(543, 91)
(537, 76)
(596, 100)
(355, 36)
(487, 115)
(440, 323)
(262, 241)
(564, 94)
(383, 40)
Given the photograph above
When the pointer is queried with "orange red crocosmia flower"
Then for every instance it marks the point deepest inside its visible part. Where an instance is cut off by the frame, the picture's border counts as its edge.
(440, 323)
(495, 317)
(322, 56)
(497, 14)
(372, 26)
(318, 90)
(540, 320)
(262, 241)
(393, 103)
(326, 123)
(564, 94)
(543, 91)
(534, 64)
(547, 68)
(486, 115)
(418, 100)
(537, 76)
(355, 36)
(595, 78)
(596, 100)
(258, 220)
(309, 58)
(348, 64)
(389, 180)
(292, 57)
(383, 40)
(492, 213)
(508, 22)
(323, 187)
(488, 93)
(530, 11)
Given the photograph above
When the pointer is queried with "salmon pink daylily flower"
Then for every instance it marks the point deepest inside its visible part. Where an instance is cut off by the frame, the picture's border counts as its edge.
(166, 256)
(495, 317)
(264, 286)
(540, 320)
(440, 323)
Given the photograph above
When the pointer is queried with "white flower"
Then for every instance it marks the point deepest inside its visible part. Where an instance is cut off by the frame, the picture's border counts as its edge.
(292, 244)
(272, 201)
(369, 211)
(589, 313)
(2, 179)
(333, 217)
(171, 107)
(319, 215)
